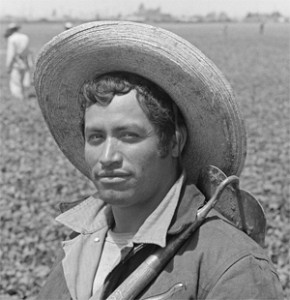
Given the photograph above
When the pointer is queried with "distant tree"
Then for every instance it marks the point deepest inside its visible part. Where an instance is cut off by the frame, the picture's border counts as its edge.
(211, 17)
(276, 14)
(251, 15)
(223, 17)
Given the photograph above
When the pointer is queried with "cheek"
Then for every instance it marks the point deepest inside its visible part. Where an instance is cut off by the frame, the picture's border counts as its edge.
(91, 156)
(146, 154)
(145, 161)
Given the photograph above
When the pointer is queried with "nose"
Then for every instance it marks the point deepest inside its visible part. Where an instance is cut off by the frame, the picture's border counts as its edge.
(110, 156)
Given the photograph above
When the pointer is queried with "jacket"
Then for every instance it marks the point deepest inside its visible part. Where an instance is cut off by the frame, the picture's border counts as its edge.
(217, 262)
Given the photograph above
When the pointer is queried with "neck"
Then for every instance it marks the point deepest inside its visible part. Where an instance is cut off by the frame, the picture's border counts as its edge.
(129, 220)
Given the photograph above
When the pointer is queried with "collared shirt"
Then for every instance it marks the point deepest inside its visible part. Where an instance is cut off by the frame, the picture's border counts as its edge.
(218, 262)
(92, 218)
(113, 244)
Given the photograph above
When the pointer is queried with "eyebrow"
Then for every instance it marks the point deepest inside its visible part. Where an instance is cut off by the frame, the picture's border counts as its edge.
(130, 126)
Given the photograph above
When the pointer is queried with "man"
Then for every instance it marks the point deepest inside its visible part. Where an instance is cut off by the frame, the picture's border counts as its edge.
(141, 112)
(18, 61)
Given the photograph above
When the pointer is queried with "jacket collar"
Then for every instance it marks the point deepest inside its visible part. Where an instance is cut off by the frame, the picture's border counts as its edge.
(191, 199)
(87, 216)
(81, 216)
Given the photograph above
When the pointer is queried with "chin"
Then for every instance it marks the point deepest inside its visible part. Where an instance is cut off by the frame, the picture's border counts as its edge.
(113, 197)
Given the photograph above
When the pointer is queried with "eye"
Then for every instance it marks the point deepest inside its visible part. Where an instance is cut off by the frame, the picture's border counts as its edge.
(130, 137)
(95, 138)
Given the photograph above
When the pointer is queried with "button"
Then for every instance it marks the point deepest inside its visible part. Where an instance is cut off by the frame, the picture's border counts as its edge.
(96, 239)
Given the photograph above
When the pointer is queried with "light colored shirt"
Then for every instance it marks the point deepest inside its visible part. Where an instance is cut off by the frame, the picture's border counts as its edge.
(92, 218)
(111, 252)
(17, 51)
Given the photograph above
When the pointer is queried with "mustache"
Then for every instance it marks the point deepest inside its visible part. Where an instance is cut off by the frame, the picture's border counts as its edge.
(107, 174)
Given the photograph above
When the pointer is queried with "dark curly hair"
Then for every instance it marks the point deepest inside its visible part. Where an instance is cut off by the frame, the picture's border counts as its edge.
(158, 106)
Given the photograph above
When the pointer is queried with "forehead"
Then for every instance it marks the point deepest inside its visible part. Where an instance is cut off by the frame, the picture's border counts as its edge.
(123, 109)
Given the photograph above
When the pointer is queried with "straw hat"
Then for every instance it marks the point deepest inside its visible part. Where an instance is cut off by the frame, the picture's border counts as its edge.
(216, 134)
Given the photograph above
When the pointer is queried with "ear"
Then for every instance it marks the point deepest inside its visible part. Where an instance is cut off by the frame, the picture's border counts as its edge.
(178, 141)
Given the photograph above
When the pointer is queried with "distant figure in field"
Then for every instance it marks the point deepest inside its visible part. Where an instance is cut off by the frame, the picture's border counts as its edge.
(68, 25)
(262, 27)
(225, 30)
(19, 61)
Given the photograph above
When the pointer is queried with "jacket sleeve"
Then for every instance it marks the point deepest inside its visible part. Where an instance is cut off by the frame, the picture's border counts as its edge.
(55, 286)
(249, 278)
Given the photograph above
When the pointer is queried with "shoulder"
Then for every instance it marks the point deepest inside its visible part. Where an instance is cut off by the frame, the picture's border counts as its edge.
(55, 286)
(217, 244)
(18, 36)
(227, 257)
(221, 243)
(218, 231)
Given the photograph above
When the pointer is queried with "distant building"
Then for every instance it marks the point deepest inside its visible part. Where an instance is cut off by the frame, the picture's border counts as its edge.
(215, 17)
(273, 17)
(150, 15)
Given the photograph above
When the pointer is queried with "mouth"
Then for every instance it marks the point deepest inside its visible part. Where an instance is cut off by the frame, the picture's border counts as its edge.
(117, 177)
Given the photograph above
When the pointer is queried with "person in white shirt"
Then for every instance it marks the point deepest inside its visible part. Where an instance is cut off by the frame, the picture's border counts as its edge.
(18, 61)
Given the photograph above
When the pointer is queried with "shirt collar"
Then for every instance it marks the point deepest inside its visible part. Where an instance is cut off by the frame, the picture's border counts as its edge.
(160, 218)
(89, 216)
(93, 214)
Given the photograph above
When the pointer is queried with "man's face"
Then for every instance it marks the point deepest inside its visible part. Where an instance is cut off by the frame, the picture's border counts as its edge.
(121, 150)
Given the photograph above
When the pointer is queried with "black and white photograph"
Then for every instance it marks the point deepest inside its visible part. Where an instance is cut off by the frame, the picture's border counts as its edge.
(145, 149)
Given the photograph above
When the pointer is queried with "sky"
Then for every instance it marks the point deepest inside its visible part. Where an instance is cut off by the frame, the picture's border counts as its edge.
(90, 8)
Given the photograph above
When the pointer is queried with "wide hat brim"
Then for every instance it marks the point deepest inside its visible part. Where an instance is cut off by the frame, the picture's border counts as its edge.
(216, 133)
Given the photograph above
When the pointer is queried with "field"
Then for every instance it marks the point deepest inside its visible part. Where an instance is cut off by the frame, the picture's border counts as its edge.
(35, 175)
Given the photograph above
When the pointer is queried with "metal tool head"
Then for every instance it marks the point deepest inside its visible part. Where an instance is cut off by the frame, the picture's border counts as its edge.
(238, 206)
